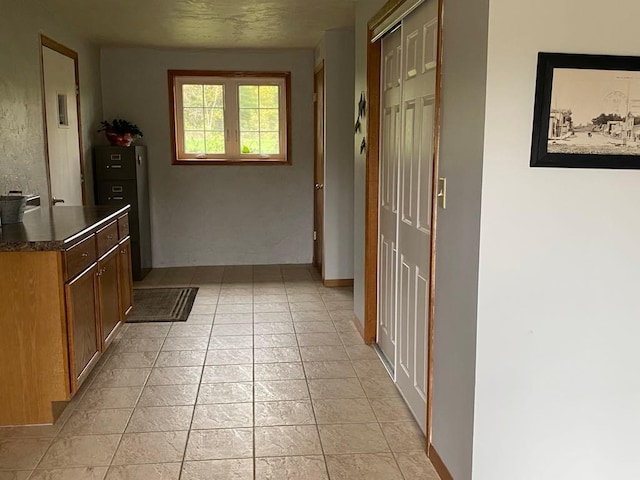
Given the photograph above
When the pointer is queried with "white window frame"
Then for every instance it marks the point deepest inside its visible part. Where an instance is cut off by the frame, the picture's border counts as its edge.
(230, 81)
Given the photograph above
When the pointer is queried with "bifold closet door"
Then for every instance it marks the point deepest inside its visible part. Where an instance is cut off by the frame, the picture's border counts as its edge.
(405, 270)
(420, 40)
(391, 98)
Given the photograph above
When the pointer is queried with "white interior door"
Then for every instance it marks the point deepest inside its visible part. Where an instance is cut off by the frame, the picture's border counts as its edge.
(420, 39)
(405, 270)
(390, 126)
(61, 113)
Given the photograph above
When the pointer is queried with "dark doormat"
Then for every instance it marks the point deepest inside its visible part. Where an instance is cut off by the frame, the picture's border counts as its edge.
(162, 304)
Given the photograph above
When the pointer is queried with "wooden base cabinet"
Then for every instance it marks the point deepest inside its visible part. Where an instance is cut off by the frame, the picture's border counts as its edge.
(83, 324)
(108, 288)
(60, 310)
(125, 279)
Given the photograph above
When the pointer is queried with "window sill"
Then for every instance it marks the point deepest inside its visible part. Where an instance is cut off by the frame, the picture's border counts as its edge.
(213, 161)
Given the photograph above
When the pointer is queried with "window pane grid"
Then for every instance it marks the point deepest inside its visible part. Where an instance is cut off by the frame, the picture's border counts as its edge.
(222, 118)
(259, 119)
(203, 119)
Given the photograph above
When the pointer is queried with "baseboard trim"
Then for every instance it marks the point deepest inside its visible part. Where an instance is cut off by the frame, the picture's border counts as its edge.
(438, 464)
(340, 282)
(358, 325)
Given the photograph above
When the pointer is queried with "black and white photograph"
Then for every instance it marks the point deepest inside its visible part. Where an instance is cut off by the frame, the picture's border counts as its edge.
(587, 111)
(594, 112)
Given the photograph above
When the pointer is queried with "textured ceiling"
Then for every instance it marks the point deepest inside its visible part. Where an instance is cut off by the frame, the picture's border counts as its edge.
(205, 23)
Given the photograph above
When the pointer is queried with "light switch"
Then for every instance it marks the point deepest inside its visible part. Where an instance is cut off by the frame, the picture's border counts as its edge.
(442, 192)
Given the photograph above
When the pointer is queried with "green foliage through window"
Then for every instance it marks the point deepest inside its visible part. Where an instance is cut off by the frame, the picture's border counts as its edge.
(230, 116)
(259, 119)
(203, 119)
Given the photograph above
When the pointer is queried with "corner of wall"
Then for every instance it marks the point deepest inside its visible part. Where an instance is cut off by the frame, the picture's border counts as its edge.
(339, 161)
(465, 35)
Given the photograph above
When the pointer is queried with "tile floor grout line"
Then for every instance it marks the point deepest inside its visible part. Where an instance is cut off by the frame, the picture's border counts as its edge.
(193, 413)
(253, 370)
(136, 403)
(366, 397)
(313, 411)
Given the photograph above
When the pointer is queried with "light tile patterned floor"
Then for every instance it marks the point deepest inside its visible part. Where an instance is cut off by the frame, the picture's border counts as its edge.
(268, 380)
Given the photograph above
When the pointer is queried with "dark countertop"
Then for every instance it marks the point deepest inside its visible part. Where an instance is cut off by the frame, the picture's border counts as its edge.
(55, 228)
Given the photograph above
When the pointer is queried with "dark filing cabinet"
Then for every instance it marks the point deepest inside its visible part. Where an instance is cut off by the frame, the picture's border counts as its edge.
(120, 175)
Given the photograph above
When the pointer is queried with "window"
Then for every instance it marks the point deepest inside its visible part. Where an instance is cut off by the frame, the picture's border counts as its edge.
(230, 118)
(63, 112)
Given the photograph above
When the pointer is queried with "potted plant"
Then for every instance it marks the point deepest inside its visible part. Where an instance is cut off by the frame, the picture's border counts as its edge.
(120, 132)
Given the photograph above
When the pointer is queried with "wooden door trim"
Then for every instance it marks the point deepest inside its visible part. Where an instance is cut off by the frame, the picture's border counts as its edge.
(374, 57)
(319, 69)
(72, 54)
(434, 236)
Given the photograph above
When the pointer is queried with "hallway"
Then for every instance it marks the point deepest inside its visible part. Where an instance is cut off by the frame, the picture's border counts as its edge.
(268, 379)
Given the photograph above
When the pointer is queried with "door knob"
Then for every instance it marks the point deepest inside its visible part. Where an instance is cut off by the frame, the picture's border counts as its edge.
(319, 186)
(57, 200)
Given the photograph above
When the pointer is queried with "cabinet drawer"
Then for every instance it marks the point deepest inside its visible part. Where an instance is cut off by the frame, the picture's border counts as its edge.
(115, 163)
(123, 226)
(107, 238)
(117, 192)
(80, 256)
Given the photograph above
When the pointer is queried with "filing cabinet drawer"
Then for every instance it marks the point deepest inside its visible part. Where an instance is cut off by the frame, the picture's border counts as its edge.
(123, 226)
(80, 256)
(107, 238)
(118, 193)
(116, 164)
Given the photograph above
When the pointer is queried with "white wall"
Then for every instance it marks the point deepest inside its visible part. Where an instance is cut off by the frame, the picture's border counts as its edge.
(365, 9)
(338, 172)
(22, 144)
(557, 362)
(320, 52)
(458, 231)
(218, 215)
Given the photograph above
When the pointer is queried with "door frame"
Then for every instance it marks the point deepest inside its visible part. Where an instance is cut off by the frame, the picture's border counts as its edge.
(72, 54)
(319, 70)
(374, 58)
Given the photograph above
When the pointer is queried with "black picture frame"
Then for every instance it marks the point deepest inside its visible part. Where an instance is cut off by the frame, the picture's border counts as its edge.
(559, 132)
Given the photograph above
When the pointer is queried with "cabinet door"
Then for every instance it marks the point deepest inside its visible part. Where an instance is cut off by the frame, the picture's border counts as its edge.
(83, 331)
(125, 278)
(108, 288)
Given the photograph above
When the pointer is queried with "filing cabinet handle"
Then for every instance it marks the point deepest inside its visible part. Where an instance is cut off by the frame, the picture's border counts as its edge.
(116, 198)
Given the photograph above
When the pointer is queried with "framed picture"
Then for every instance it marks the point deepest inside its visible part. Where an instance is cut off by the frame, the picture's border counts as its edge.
(587, 112)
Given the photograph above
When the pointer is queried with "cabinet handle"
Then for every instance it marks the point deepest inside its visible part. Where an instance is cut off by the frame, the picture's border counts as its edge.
(123, 252)
(85, 254)
(109, 237)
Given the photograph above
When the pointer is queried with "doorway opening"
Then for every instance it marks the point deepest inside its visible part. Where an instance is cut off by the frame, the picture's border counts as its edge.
(62, 123)
(318, 217)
